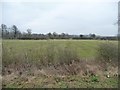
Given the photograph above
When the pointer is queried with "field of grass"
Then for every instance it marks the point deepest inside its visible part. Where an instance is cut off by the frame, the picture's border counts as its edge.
(24, 46)
(39, 63)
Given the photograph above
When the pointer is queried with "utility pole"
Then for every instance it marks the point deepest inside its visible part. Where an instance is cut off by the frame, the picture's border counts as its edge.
(119, 19)
(118, 44)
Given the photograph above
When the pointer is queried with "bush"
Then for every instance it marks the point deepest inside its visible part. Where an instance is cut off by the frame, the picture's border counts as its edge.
(108, 52)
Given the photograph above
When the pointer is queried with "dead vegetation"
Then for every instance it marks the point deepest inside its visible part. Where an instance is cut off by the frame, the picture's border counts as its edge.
(55, 74)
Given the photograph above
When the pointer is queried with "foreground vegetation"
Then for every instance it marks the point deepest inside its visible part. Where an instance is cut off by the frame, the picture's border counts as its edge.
(59, 63)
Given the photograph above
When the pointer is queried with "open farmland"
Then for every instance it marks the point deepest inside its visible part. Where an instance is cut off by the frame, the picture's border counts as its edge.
(56, 63)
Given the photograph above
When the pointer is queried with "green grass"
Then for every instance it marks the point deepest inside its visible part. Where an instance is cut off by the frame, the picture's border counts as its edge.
(34, 48)
(16, 53)
(47, 50)
(66, 82)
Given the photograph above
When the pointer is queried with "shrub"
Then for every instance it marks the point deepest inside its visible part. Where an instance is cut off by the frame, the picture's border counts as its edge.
(108, 52)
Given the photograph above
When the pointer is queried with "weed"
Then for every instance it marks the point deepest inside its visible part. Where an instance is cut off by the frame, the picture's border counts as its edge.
(94, 78)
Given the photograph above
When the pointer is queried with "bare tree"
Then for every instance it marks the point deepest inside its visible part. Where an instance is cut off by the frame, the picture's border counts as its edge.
(15, 30)
(29, 31)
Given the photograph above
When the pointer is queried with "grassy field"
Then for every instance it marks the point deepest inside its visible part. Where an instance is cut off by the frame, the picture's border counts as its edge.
(39, 63)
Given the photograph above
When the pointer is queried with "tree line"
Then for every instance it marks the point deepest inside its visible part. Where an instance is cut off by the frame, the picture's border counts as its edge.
(14, 33)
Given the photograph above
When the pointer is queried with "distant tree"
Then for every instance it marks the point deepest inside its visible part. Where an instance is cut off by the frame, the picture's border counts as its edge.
(93, 36)
(49, 35)
(55, 35)
(4, 31)
(29, 32)
(62, 35)
(81, 36)
(15, 31)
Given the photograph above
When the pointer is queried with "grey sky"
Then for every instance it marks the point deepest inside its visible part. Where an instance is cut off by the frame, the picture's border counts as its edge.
(68, 16)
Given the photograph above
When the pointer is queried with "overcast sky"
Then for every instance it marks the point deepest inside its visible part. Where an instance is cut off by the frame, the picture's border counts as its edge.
(68, 16)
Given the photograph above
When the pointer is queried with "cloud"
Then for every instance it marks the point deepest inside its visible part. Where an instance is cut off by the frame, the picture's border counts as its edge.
(73, 18)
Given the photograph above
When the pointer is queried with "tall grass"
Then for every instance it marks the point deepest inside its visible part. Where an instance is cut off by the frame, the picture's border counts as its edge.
(43, 55)
(46, 53)
(53, 54)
